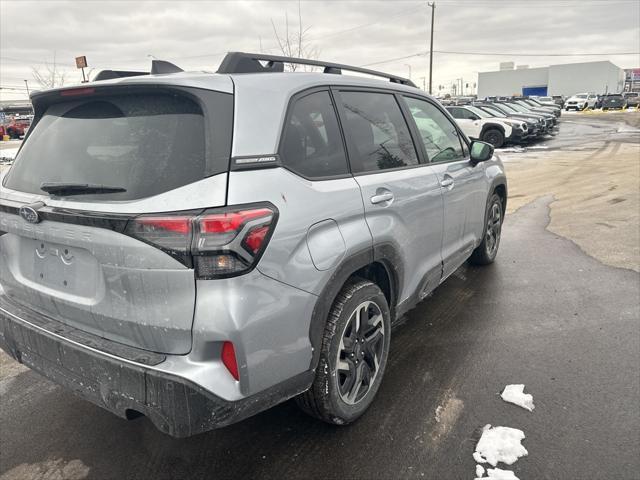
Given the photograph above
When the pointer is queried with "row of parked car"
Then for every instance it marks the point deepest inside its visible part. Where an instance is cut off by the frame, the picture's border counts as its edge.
(608, 101)
(14, 127)
(516, 120)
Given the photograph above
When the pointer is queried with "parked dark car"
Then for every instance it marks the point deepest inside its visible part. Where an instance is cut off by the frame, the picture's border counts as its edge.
(632, 99)
(599, 101)
(543, 126)
(559, 100)
(613, 101)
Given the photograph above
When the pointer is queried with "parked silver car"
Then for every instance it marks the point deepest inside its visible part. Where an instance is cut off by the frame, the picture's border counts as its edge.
(198, 247)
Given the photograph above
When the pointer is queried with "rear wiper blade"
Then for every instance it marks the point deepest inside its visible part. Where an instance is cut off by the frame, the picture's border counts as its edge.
(57, 188)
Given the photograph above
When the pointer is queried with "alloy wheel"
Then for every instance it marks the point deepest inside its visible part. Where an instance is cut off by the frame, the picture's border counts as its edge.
(361, 348)
(494, 224)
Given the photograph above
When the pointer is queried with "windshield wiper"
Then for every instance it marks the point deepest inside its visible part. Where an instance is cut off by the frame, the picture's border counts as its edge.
(57, 188)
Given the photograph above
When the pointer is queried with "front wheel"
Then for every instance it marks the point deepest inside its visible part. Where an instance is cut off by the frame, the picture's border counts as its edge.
(493, 136)
(353, 355)
(486, 252)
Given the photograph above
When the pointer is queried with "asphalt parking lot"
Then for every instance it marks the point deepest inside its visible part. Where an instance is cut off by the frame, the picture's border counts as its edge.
(559, 312)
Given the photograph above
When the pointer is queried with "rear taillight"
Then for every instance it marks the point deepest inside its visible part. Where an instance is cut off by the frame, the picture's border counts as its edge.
(217, 243)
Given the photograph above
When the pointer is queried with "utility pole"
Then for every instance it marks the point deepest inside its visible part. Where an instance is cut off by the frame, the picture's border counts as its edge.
(26, 82)
(433, 11)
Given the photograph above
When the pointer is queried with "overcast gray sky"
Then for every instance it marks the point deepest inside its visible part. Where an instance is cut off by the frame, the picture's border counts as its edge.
(195, 34)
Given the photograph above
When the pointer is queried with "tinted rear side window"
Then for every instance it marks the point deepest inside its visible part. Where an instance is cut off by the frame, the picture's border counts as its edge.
(378, 132)
(145, 143)
(312, 145)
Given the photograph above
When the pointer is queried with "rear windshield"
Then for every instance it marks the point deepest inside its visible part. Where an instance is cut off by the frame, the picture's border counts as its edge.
(145, 143)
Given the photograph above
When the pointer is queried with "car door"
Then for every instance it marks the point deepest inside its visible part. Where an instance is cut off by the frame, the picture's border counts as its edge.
(462, 184)
(401, 194)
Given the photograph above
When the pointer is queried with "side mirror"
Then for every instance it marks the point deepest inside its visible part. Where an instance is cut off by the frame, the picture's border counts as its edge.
(480, 152)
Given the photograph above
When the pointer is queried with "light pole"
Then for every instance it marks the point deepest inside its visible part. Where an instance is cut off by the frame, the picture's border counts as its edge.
(409, 67)
(433, 11)
(424, 85)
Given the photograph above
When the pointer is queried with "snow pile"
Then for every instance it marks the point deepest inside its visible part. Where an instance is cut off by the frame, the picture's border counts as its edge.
(8, 153)
(500, 444)
(498, 474)
(515, 394)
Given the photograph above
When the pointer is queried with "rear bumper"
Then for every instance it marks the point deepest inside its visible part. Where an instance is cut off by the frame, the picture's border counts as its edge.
(126, 380)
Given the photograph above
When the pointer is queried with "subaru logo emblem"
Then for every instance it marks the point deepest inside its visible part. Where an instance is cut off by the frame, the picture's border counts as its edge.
(29, 213)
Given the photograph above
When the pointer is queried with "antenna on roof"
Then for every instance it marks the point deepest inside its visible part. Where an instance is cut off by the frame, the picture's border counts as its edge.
(161, 66)
(237, 62)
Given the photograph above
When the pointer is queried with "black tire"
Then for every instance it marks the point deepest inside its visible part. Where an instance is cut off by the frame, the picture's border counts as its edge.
(486, 252)
(493, 136)
(324, 399)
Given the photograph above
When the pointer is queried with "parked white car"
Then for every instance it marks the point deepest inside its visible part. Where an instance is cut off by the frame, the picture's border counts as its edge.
(544, 100)
(476, 124)
(581, 101)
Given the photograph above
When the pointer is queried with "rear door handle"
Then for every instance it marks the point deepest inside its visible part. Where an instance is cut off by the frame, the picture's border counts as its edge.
(381, 198)
(447, 182)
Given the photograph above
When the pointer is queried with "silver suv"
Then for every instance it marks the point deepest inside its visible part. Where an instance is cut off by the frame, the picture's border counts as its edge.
(198, 247)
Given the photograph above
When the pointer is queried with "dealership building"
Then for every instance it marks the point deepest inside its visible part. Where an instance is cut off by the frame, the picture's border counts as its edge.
(565, 79)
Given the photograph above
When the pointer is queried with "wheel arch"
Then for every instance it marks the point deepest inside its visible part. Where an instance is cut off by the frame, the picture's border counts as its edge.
(499, 186)
(494, 126)
(381, 265)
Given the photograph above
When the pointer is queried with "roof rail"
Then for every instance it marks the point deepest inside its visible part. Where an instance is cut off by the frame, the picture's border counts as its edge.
(240, 62)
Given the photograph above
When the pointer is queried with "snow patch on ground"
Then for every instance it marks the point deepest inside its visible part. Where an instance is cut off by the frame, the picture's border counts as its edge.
(515, 394)
(624, 128)
(511, 149)
(9, 153)
(479, 471)
(500, 444)
(499, 474)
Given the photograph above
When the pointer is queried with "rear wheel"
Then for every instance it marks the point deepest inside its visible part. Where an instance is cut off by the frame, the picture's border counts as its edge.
(353, 355)
(493, 136)
(486, 252)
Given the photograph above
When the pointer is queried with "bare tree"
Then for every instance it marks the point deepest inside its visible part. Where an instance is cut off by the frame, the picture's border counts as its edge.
(49, 76)
(296, 43)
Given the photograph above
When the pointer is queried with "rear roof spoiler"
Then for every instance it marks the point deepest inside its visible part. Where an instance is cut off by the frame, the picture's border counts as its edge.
(158, 67)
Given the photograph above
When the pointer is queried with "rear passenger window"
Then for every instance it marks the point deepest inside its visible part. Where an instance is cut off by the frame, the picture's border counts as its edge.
(438, 133)
(312, 144)
(378, 132)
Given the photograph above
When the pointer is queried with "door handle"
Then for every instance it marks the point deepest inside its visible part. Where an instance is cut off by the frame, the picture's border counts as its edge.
(382, 197)
(447, 182)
